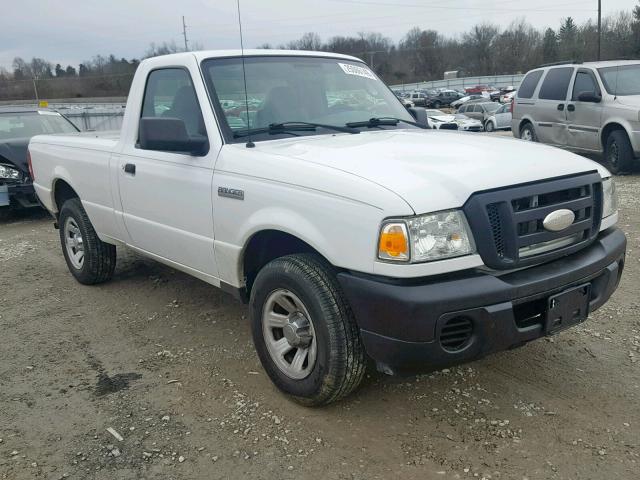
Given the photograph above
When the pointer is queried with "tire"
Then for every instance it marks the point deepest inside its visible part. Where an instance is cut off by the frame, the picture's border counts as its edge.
(335, 359)
(436, 104)
(98, 260)
(489, 126)
(527, 133)
(618, 152)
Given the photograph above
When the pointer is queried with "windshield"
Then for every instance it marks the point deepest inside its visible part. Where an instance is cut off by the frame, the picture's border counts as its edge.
(284, 89)
(622, 80)
(29, 124)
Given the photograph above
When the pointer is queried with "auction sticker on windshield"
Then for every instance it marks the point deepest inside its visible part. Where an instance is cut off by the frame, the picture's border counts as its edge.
(356, 70)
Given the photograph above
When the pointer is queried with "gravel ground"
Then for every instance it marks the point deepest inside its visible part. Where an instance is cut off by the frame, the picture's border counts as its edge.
(154, 376)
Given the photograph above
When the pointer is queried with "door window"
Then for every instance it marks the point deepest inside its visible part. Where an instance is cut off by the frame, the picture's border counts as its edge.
(529, 84)
(170, 94)
(585, 82)
(556, 84)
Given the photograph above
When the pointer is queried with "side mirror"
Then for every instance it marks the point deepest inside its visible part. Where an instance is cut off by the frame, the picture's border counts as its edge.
(170, 135)
(591, 97)
(420, 114)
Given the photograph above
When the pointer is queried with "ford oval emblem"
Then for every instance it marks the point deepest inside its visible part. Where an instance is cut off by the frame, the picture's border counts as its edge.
(558, 220)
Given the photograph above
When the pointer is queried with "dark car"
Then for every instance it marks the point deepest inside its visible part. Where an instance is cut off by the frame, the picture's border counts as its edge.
(443, 99)
(17, 126)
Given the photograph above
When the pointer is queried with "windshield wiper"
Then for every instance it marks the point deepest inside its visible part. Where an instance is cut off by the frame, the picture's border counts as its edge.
(381, 121)
(288, 127)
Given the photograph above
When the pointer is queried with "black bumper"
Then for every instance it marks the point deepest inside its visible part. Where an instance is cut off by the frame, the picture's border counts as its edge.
(401, 320)
(22, 195)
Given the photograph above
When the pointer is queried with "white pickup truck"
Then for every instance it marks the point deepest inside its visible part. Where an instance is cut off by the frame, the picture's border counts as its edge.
(309, 191)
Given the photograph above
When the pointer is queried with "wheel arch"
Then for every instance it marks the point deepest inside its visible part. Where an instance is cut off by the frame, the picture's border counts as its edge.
(266, 245)
(608, 129)
(62, 191)
(524, 122)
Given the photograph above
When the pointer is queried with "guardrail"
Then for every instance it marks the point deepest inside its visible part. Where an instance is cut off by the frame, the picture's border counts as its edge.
(465, 82)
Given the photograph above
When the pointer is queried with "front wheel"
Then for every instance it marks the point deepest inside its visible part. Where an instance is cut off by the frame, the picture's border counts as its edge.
(528, 134)
(304, 331)
(89, 259)
(619, 153)
(489, 127)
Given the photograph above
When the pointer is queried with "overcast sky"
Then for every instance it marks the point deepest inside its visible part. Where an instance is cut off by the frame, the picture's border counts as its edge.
(70, 31)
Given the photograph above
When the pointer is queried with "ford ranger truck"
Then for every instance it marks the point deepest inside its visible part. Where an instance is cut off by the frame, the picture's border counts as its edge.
(353, 232)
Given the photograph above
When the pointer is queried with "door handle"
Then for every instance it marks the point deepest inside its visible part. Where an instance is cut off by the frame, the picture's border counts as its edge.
(129, 168)
(561, 107)
(571, 107)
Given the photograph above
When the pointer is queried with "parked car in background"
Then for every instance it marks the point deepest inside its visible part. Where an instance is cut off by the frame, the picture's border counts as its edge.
(496, 95)
(463, 123)
(441, 121)
(404, 99)
(17, 126)
(465, 99)
(588, 107)
(499, 120)
(508, 97)
(480, 111)
(477, 89)
(419, 99)
(442, 99)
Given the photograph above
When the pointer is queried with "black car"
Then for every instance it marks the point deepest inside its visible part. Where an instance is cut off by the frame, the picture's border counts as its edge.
(443, 99)
(17, 126)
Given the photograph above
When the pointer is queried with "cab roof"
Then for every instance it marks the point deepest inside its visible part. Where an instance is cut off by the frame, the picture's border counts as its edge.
(204, 54)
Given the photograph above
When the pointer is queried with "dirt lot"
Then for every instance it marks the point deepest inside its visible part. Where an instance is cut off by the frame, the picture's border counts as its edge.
(167, 362)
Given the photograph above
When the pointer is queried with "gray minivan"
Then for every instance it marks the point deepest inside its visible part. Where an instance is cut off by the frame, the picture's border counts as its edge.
(591, 107)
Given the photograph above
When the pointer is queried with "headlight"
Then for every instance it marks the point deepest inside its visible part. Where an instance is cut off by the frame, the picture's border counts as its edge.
(609, 197)
(9, 173)
(426, 238)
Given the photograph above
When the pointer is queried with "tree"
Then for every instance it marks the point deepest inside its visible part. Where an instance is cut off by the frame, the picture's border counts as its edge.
(59, 70)
(308, 41)
(21, 69)
(636, 30)
(83, 70)
(568, 40)
(165, 48)
(479, 42)
(550, 46)
(70, 71)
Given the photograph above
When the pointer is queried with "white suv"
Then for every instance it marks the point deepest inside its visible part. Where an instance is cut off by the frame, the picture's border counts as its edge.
(586, 107)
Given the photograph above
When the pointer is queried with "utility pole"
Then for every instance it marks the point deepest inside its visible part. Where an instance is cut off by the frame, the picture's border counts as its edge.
(35, 88)
(184, 33)
(599, 27)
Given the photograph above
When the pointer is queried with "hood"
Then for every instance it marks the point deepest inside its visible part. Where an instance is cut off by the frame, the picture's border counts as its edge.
(431, 169)
(629, 100)
(14, 151)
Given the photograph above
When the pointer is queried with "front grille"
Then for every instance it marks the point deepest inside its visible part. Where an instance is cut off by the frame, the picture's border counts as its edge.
(496, 228)
(508, 223)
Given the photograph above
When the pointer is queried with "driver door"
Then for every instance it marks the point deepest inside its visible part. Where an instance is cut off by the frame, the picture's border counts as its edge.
(166, 196)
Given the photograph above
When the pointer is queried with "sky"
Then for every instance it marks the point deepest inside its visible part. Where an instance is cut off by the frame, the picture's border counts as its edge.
(71, 31)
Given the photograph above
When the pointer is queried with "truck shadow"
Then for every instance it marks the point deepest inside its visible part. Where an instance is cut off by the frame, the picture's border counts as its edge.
(15, 215)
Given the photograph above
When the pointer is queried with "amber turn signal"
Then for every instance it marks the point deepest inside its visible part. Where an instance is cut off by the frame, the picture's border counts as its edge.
(394, 242)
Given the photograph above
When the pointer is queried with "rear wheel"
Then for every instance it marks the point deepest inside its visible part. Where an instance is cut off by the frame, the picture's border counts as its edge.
(618, 152)
(527, 133)
(89, 259)
(304, 330)
(489, 127)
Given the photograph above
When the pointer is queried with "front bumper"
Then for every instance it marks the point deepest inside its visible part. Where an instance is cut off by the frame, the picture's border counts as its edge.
(400, 320)
(18, 194)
